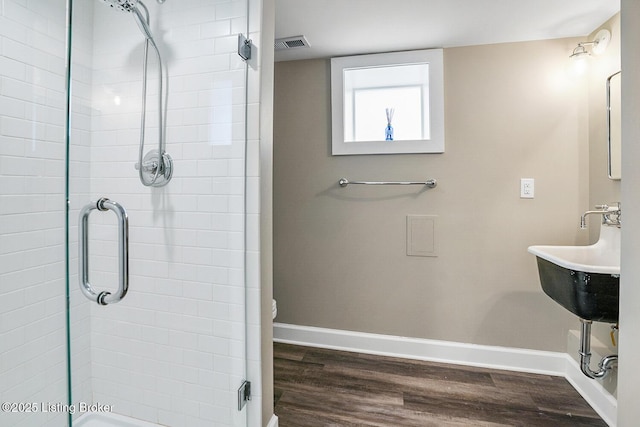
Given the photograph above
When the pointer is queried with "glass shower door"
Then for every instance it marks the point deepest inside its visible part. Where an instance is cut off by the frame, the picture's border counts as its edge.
(157, 313)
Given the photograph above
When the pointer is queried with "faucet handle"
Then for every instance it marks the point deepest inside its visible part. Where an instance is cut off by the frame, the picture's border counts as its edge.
(613, 215)
(609, 208)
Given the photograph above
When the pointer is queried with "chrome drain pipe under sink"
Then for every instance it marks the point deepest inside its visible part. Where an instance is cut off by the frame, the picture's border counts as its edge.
(605, 365)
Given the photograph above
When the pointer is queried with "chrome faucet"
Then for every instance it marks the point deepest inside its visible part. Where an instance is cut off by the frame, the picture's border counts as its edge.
(611, 215)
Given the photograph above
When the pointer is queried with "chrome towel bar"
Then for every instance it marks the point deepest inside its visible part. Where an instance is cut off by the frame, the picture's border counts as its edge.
(104, 297)
(431, 183)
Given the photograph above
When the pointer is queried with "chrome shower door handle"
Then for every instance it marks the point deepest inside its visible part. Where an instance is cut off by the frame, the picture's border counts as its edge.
(104, 297)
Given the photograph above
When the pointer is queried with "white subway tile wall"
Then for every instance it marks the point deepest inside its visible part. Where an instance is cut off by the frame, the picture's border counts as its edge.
(32, 215)
(174, 350)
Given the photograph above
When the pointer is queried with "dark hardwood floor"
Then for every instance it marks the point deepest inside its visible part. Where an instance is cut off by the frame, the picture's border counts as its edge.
(318, 387)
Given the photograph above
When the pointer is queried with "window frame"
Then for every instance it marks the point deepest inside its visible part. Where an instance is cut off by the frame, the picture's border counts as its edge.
(435, 110)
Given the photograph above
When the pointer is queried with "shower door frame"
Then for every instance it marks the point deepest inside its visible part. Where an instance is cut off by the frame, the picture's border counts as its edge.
(70, 283)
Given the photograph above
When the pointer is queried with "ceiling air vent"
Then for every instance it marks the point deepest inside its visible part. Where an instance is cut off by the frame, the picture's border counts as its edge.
(291, 43)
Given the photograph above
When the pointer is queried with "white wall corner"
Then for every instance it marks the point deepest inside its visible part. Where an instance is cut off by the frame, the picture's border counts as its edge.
(593, 392)
(273, 422)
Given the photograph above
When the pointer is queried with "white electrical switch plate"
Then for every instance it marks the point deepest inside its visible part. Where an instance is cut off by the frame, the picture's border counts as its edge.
(526, 188)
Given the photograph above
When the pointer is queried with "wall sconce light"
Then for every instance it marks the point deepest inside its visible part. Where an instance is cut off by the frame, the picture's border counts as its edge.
(580, 54)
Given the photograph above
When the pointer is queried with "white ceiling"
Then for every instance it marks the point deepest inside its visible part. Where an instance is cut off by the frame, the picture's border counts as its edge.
(349, 27)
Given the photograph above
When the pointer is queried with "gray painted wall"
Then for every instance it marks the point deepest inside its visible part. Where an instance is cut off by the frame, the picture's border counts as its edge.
(601, 188)
(339, 253)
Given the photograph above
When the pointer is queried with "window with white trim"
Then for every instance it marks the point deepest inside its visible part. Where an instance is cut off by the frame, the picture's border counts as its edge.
(401, 90)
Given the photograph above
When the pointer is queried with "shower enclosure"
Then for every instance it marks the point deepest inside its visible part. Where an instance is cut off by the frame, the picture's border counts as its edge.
(127, 290)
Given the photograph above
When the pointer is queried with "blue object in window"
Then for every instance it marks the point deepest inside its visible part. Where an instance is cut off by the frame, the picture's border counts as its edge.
(388, 133)
(389, 129)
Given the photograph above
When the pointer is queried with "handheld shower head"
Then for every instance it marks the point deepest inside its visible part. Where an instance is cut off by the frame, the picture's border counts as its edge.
(131, 6)
(122, 5)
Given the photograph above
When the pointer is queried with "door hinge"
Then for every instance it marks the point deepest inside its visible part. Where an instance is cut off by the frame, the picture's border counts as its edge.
(244, 47)
(244, 394)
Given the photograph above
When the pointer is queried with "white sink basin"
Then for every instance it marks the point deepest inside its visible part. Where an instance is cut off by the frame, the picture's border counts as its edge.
(602, 257)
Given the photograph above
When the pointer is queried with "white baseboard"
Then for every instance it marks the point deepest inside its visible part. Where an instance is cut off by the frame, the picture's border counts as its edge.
(273, 422)
(593, 392)
(506, 358)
